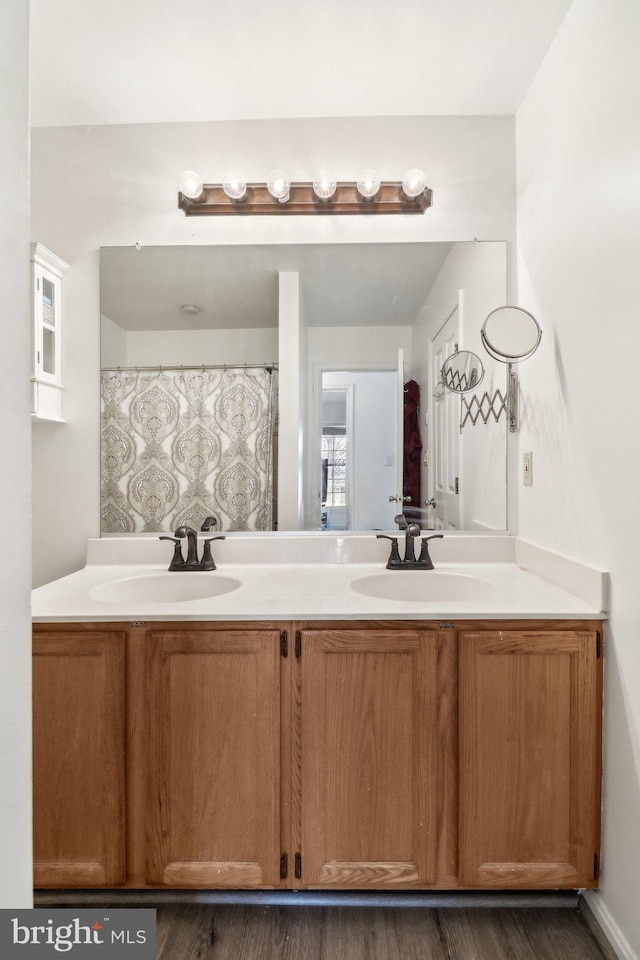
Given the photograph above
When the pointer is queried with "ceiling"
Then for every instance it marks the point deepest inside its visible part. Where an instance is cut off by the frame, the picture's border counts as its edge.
(237, 286)
(142, 61)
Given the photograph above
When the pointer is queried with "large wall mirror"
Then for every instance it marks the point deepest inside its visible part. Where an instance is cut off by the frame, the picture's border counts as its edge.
(297, 387)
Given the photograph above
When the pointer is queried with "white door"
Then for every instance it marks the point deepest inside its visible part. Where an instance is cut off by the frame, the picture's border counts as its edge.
(444, 431)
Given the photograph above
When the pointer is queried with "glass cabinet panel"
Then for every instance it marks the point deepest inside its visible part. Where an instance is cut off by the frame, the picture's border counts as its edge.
(48, 351)
(48, 302)
(46, 373)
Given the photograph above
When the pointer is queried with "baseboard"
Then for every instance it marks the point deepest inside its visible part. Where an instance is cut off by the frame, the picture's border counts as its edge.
(440, 899)
(610, 937)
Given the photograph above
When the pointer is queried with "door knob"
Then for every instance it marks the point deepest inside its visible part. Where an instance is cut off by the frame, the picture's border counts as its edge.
(431, 502)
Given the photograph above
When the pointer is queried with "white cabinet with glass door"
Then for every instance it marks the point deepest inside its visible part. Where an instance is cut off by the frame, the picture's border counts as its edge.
(47, 271)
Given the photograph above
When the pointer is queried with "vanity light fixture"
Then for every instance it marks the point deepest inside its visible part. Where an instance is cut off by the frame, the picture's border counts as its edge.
(191, 185)
(414, 183)
(234, 186)
(324, 188)
(322, 196)
(279, 185)
(368, 184)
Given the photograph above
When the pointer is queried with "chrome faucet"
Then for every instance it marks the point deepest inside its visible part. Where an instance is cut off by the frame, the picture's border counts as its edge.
(412, 532)
(191, 563)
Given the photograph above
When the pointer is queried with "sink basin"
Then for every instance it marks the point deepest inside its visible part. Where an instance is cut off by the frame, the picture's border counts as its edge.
(164, 588)
(421, 586)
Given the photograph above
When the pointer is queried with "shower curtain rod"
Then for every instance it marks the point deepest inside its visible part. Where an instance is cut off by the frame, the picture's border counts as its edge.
(200, 366)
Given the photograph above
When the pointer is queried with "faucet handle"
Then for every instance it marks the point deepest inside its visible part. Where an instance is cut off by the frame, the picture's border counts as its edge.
(424, 553)
(207, 556)
(177, 558)
(394, 556)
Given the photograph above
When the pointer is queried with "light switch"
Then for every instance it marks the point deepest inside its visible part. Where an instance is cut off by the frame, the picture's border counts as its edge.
(388, 460)
(527, 469)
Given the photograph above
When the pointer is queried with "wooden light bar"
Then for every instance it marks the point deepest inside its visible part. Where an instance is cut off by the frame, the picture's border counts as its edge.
(303, 201)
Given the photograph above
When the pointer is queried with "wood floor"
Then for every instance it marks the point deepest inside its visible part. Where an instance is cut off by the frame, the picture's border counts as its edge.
(232, 932)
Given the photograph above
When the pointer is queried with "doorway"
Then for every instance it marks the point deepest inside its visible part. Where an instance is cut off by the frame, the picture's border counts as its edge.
(355, 451)
(337, 458)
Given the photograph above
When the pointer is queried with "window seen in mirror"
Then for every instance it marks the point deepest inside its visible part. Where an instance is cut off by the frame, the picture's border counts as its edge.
(334, 479)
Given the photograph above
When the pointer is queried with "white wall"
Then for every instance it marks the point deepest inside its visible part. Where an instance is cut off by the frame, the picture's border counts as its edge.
(335, 346)
(292, 340)
(475, 276)
(113, 344)
(193, 347)
(16, 884)
(305, 444)
(66, 457)
(578, 163)
(303, 405)
(118, 185)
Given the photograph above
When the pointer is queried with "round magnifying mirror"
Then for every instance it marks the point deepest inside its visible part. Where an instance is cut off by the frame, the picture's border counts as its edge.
(510, 334)
(462, 371)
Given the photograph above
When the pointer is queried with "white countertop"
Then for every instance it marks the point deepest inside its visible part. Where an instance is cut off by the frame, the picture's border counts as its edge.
(299, 589)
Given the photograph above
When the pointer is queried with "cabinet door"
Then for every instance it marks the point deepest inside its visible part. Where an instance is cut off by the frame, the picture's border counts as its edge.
(368, 758)
(47, 324)
(78, 759)
(529, 759)
(213, 741)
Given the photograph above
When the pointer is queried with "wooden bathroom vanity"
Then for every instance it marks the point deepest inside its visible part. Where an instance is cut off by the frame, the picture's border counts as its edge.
(318, 754)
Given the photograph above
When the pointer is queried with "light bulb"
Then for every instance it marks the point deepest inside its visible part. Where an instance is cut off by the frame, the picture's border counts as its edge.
(414, 183)
(234, 186)
(324, 188)
(191, 184)
(278, 185)
(368, 184)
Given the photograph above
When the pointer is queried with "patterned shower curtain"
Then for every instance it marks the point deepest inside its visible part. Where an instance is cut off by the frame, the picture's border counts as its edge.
(179, 446)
